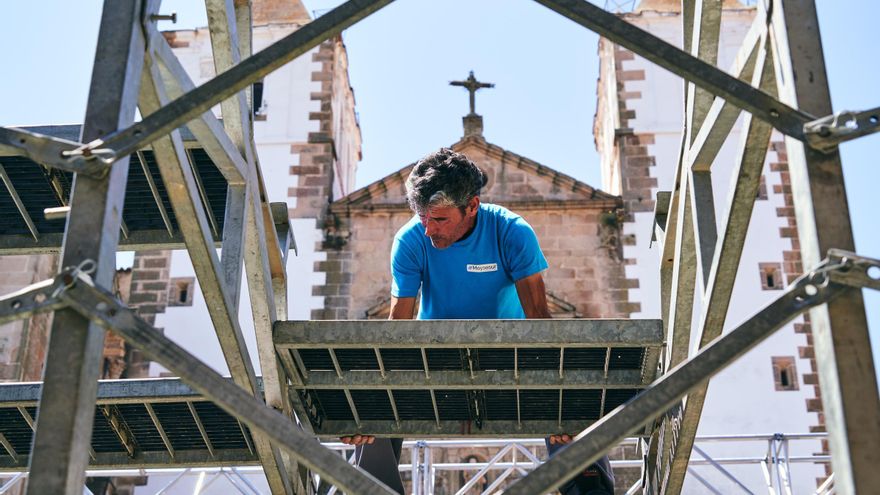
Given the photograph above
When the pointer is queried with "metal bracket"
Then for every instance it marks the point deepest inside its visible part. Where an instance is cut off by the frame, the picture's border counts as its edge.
(35, 298)
(87, 159)
(853, 270)
(826, 133)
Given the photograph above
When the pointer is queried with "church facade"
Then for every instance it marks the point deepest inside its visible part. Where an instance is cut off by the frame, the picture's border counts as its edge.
(578, 228)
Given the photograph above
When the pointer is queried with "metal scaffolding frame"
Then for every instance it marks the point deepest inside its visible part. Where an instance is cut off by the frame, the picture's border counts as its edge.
(511, 458)
(779, 82)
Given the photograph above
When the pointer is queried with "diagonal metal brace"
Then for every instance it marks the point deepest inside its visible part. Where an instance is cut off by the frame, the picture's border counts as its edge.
(826, 133)
(54, 152)
(788, 120)
(810, 290)
(102, 308)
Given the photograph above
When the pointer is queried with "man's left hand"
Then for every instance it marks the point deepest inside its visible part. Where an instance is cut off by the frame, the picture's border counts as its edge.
(560, 439)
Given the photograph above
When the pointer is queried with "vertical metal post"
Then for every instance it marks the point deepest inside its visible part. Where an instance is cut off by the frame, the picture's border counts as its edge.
(704, 44)
(416, 463)
(429, 471)
(67, 405)
(236, 122)
(840, 330)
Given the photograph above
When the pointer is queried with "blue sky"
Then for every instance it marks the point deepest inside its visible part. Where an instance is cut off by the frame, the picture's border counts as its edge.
(401, 59)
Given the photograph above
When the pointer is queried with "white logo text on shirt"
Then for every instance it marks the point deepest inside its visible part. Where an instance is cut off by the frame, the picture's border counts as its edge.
(488, 267)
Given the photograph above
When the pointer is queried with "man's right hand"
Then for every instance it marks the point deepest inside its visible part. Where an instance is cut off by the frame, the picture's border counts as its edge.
(358, 440)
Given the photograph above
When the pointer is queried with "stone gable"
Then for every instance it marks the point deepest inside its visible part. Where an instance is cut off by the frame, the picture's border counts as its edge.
(512, 180)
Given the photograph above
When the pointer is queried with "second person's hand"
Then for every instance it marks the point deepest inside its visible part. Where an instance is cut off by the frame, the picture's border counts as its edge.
(358, 440)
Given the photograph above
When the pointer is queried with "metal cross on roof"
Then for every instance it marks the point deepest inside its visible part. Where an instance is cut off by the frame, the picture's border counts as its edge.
(472, 85)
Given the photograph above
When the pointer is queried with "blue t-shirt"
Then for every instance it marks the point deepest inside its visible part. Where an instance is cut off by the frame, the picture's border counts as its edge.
(473, 278)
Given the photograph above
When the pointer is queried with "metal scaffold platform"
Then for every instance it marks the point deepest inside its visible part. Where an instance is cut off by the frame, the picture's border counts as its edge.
(450, 378)
(151, 423)
(147, 216)
(201, 187)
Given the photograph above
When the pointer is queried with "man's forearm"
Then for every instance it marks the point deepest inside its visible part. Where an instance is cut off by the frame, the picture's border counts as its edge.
(533, 296)
(402, 308)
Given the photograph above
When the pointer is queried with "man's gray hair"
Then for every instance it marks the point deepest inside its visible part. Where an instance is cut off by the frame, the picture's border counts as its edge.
(442, 179)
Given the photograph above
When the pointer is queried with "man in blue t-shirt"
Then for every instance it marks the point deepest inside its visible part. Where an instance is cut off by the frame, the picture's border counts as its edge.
(471, 260)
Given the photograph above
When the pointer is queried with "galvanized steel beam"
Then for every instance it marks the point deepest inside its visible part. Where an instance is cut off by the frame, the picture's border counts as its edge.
(51, 242)
(575, 333)
(788, 120)
(704, 34)
(64, 424)
(236, 123)
(161, 429)
(840, 333)
(245, 237)
(201, 427)
(480, 379)
(222, 28)
(704, 45)
(331, 430)
(684, 270)
(138, 391)
(231, 39)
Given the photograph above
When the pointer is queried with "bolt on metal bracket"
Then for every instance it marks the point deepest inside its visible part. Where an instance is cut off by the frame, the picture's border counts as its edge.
(88, 159)
(826, 133)
(853, 270)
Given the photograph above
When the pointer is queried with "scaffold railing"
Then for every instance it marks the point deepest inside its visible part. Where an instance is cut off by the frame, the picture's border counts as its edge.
(768, 453)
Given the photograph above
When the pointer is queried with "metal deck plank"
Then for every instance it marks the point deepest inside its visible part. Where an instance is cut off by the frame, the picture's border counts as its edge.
(462, 380)
(571, 333)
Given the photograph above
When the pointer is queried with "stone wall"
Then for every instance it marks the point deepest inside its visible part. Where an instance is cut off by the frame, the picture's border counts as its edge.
(148, 297)
(328, 160)
(628, 166)
(23, 343)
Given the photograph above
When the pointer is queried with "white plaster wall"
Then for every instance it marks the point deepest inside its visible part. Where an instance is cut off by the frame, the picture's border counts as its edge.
(741, 399)
(286, 95)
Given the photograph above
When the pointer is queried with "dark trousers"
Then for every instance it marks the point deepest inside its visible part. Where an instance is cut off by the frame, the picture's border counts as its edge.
(597, 479)
(381, 458)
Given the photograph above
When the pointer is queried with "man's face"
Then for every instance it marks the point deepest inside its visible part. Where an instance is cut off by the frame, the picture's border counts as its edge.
(447, 224)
